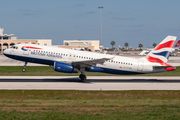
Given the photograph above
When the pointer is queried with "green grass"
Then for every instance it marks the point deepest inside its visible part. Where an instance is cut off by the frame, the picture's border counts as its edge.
(89, 105)
(48, 71)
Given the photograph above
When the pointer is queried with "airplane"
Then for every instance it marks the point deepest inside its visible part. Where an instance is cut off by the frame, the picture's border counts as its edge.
(173, 50)
(177, 44)
(72, 61)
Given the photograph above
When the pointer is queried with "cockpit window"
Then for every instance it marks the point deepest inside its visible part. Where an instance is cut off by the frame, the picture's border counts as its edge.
(14, 47)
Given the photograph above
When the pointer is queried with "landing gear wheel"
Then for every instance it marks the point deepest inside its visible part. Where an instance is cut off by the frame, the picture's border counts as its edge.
(24, 69)
(82, 77)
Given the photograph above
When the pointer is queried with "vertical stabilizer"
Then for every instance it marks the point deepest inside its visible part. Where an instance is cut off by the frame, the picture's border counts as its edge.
(177, 44)
(160, 54)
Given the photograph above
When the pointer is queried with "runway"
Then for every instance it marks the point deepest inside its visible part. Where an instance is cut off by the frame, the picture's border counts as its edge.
(93, 83)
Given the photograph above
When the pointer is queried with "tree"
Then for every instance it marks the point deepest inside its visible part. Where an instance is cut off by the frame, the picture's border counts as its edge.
(154, 44)
(113, 43)
(126, 45)
(140, 46)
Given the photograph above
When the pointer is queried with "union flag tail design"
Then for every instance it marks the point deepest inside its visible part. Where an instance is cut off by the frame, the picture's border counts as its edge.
(177, 44)
(160, 54)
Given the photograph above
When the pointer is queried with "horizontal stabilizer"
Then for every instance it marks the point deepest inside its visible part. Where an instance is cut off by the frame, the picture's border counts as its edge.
(167, 68)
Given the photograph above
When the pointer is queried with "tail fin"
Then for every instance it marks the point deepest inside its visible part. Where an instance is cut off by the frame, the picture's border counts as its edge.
(177, 44)
(160, 54)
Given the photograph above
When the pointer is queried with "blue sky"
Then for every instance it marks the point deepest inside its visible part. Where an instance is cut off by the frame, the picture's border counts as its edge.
(131, 21)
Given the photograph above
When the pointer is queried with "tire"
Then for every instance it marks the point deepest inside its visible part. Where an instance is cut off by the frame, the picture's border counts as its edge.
(82, 77)
(24, 69)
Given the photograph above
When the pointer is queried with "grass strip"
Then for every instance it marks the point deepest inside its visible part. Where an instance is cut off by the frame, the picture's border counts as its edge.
(89, 105)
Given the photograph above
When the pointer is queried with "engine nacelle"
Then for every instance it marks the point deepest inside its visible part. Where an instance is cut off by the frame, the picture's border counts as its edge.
(64, 67)
(94, 69)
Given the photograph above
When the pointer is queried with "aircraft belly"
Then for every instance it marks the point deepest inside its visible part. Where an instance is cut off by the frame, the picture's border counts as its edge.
(119, 69)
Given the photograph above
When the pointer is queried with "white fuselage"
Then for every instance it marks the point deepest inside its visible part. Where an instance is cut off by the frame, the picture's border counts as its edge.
(48, 55)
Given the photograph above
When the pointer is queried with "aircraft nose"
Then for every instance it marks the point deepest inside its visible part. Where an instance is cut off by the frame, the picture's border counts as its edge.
(6, 51)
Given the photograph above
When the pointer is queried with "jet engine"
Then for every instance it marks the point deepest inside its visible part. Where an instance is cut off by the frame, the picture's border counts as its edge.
(64, 67)
(94, 69)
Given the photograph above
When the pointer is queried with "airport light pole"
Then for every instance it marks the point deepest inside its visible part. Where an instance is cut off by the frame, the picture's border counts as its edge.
(100, 26)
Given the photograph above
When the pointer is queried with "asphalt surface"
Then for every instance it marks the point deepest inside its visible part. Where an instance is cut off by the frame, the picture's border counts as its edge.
(93, 83)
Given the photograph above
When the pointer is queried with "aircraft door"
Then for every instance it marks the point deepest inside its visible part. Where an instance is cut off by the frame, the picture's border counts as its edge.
(140, 65)
(25, 50)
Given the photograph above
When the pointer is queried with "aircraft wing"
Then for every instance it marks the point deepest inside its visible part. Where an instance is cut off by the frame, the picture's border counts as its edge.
(89, 63)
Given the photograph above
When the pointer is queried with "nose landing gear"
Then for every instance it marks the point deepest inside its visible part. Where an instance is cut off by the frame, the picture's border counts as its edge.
(24, 69)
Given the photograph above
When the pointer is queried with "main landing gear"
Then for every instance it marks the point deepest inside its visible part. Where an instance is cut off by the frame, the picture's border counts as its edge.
(82, 76)
(24, 69)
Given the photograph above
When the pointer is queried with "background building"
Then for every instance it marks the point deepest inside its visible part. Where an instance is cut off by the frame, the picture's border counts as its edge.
(6, 41)
(92, 45)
